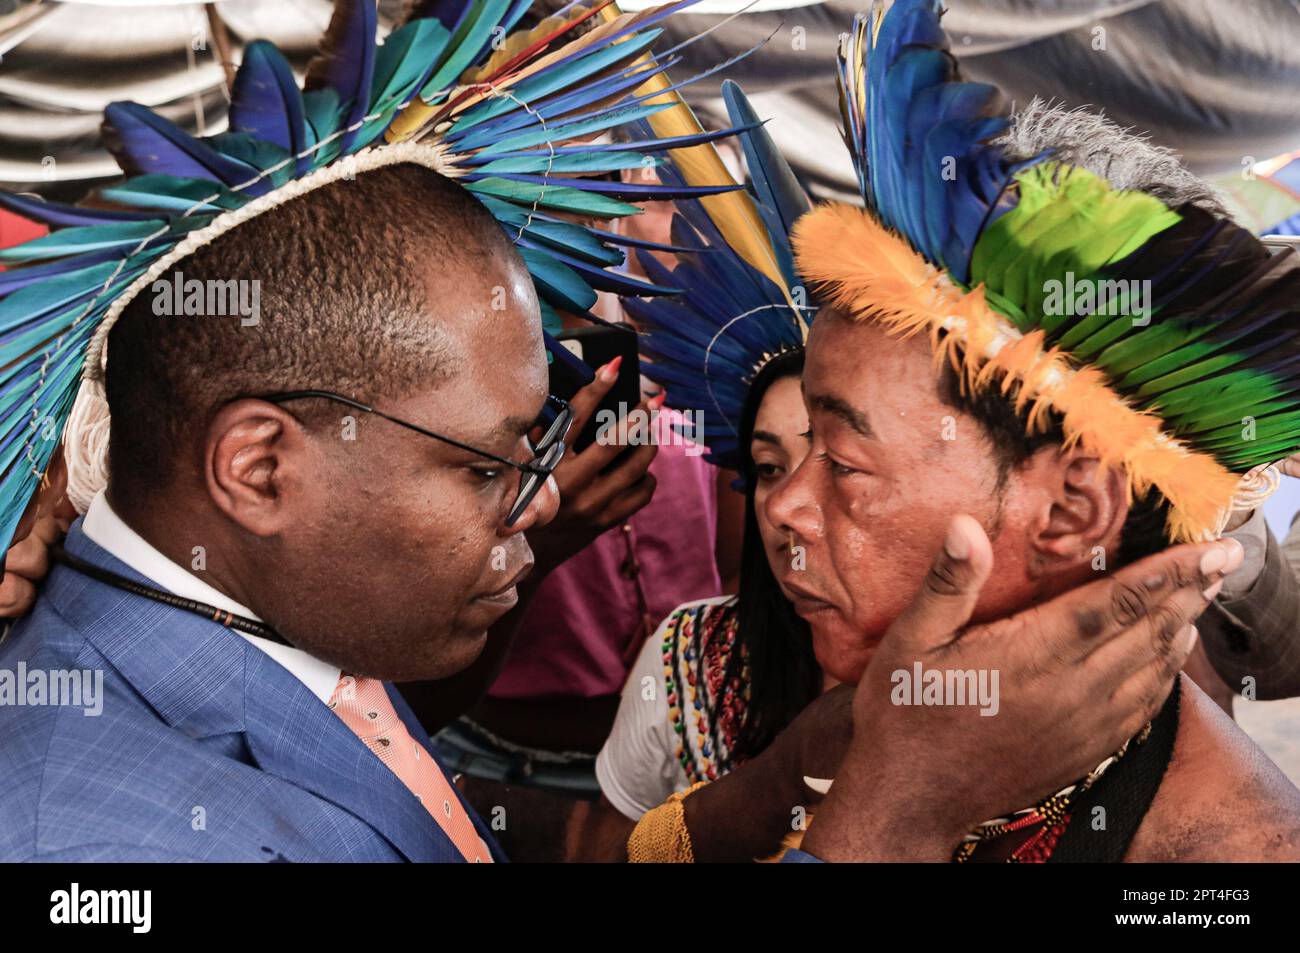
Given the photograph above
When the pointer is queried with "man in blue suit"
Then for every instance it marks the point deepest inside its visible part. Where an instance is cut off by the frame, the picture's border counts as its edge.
(310, 549)
(210, 745)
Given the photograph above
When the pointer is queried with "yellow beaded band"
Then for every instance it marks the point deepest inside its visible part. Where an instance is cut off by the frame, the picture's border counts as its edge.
(661, 837)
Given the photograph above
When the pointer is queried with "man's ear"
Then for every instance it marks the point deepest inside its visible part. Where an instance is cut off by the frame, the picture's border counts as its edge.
(1086, 509)
(253, 454)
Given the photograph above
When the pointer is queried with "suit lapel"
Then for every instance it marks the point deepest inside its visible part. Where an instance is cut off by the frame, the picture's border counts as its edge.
(204, 680)
(299, 739)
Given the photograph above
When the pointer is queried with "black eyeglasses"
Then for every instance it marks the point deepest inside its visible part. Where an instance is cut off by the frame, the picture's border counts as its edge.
(547, 452)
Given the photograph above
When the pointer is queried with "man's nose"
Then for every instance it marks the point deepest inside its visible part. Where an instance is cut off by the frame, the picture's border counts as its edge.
(540, 510)
(792, 507)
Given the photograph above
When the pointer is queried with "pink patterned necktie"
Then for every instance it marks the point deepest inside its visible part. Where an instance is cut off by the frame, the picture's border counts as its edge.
(364, 706)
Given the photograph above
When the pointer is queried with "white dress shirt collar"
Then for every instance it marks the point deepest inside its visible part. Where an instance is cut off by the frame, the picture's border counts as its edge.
(106, 529)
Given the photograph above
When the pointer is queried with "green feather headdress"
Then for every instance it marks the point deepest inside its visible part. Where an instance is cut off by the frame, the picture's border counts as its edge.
(1166, 339)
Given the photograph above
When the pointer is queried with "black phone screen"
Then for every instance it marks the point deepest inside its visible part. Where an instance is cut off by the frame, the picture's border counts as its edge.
(596, 346)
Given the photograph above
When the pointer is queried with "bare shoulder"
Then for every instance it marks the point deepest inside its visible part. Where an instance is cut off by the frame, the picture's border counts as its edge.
(1222, 799)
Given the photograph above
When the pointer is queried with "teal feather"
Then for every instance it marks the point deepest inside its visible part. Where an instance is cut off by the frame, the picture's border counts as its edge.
(169, 193)
(558, 197)
(321, 110)
(402, 64)
(544, 162)
(557, 283)
(74, 241)
(466, 45)
(277, 165)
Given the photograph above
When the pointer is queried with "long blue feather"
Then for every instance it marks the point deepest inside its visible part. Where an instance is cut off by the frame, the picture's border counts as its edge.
(265, 101)
(560, 108)
(552, 80)
(345, 62)
(602, 279)
(919, 135)
(489, 154)
(626, 191)
(775, 185)
(483, 136)
(142, 141)
(63, 216)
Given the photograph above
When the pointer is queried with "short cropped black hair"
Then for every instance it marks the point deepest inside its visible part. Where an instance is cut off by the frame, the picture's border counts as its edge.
(340, 299)
(1013, 444)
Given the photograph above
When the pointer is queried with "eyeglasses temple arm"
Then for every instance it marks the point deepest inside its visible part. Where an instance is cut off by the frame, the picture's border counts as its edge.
(348, 401)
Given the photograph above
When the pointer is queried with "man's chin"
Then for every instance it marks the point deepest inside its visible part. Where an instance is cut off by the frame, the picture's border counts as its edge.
(462, 649)
(841, 652)
(435, 656)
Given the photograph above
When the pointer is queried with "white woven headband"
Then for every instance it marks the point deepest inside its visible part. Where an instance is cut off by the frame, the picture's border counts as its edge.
(430, 155)
(85, 440)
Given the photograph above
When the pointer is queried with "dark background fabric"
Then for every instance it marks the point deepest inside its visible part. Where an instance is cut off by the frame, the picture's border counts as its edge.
(1214, 79)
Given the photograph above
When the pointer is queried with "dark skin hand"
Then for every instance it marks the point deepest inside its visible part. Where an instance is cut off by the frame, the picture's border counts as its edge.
(592, 501)
(44, 522)
(911, 780)
(1120, 640)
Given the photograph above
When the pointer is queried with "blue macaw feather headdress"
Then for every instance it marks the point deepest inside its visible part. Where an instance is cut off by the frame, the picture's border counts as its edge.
(462, 90)
(731, 317)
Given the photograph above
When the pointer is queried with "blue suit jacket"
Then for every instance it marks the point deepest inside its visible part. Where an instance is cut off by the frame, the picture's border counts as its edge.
(206, 748)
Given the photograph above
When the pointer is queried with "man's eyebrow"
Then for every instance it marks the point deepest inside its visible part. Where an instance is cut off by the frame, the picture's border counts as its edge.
(510, 429)
(514, 426)
(845, 412)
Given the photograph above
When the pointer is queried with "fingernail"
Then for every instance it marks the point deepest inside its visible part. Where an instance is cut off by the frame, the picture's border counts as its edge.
(956, 544)
(820, 785)
(1196, 634)
(1212, 591)
(1215, 558)
(610, 370)
(1236, 555)
(657, 401)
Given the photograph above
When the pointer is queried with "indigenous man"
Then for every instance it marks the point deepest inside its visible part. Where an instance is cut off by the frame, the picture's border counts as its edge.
(1082, 433)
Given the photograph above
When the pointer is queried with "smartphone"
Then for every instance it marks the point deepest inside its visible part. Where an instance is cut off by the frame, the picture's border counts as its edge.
(596, 346)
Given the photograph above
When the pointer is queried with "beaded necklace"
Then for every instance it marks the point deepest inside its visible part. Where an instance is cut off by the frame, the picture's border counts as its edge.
(1053, 813)
(1126, 791)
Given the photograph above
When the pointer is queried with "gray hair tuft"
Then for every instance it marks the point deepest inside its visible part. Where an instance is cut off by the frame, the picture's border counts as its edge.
(1123, 158)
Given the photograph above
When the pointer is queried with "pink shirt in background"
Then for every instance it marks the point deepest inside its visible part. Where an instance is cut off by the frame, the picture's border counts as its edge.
(584, 627)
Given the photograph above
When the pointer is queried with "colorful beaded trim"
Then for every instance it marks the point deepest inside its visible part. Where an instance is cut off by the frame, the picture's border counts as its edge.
(1053, 813)
(705, 717)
